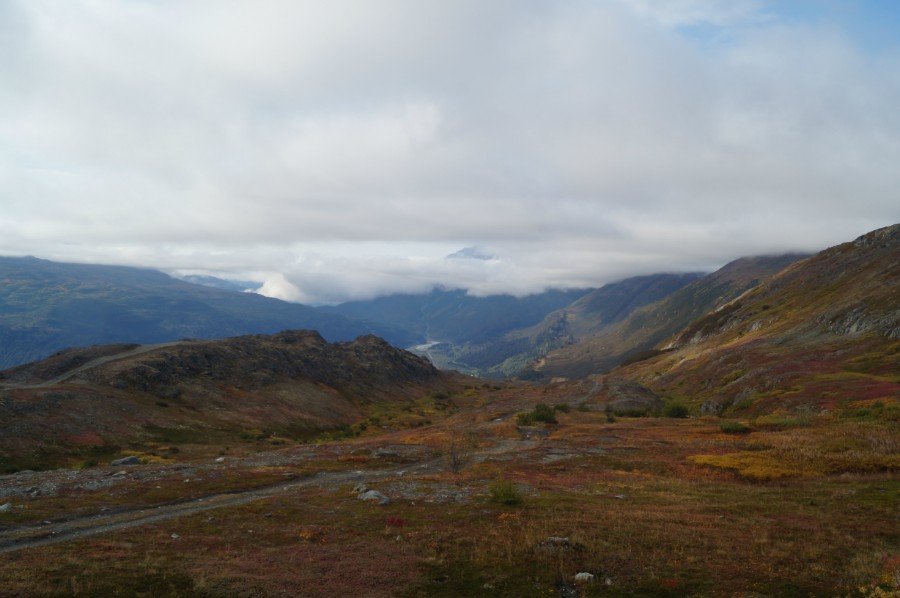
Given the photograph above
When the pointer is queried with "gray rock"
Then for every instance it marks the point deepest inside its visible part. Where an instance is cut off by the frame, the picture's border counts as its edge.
(132, 460)
(584, 577)
(46, 489)
(555, 543)
(534, 433)
(626, 395)
(6, 508)
(711, 408)
(374, 496)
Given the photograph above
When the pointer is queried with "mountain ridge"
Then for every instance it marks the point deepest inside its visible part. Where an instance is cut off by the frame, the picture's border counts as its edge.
(49, 306)
(823, 333)
(649, 325)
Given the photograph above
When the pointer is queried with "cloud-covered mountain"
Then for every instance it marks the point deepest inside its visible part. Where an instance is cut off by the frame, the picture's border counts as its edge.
(47, 306)
(498, 335)
(340, 150)
(597, 346)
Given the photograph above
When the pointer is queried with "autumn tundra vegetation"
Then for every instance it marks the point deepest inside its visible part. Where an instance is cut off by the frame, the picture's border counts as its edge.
(755, 453)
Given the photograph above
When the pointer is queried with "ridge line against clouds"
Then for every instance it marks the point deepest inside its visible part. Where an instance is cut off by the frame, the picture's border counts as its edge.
(342, 150)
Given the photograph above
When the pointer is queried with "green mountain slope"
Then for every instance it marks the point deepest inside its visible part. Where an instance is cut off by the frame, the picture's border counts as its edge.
(47, 306)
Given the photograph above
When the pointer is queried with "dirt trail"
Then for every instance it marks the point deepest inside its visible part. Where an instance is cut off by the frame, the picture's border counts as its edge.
(92, 364)
(52, 533)
(32, 536)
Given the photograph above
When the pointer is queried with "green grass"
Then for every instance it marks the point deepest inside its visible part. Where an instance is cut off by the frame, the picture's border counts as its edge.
(732, 427)
(505, 492)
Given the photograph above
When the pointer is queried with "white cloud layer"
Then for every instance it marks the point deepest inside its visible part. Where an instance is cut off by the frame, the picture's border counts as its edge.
(342, 149)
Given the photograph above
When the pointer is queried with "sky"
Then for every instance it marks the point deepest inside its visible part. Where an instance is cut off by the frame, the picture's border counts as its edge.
(343, 149)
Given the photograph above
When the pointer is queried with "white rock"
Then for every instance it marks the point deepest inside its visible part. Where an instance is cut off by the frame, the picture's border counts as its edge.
(584, 577)
(374, 496)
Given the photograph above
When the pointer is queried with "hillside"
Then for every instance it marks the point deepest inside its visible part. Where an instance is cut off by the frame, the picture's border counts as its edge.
(824, 334)
(455, 316)
(292, 384)
(509, 354)
(600, 349)
(496, 336)
(46, 307)
(453, 328)
(758, 455)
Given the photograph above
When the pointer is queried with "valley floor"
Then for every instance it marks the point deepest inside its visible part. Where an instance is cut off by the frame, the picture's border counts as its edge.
(646, 506)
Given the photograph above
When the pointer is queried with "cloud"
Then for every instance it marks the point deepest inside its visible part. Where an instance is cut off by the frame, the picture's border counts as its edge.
(343, 149)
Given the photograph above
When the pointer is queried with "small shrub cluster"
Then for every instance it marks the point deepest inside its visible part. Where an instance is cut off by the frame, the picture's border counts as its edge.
(675, 409)
(459, 450)
(253, 434)
(873, 411)
(542, 413)
(505, 492)
(729, 427)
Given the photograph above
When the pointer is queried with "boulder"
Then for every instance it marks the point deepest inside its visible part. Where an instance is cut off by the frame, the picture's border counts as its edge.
(584, 577)
(628, 396)
(374, 496)
(132, 460)
(555, 543)
(6, 508)
(711, 408)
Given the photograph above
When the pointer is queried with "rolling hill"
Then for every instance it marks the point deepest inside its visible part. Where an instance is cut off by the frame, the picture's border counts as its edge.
(293, 384)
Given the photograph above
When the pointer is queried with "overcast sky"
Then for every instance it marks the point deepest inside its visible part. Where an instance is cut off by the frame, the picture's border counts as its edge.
(341, 149)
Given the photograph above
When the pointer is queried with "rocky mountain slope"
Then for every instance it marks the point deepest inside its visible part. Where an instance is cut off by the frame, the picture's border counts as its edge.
(598, 349)
(496, 336)
(454, 316)
(507, 355)
(292, 384)
(47, 306)
(823, 334)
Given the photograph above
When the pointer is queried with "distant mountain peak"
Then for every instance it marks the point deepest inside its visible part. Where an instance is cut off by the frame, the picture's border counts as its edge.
(473, 253)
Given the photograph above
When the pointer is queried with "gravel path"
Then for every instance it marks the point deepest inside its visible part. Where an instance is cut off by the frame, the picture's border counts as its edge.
(32, 536)
(52, 533)
(92, 364)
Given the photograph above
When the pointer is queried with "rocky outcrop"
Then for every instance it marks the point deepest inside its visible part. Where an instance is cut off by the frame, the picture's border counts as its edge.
(293, 384)
(252, 363)
(859, 318)
(626, 395)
